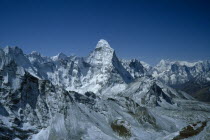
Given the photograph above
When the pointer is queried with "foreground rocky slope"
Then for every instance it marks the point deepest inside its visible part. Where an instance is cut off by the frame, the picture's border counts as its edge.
(95, 97)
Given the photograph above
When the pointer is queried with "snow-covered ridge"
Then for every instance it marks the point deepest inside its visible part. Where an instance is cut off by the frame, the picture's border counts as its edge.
(179, 72)
(104, 58)
(95, 97)
(182, 63)
(77, 73)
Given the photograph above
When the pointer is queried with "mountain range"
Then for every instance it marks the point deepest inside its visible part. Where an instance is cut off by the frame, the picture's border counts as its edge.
(102, 97)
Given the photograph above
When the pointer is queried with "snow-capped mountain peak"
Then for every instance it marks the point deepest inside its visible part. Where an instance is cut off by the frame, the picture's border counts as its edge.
(13, 50)
(14, 54)
(102, 54)
(105, 65)
(102, 44)
(35, 53)
(60, 56)
(134, 67)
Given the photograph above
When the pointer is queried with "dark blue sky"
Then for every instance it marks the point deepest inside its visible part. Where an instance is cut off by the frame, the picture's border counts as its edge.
(143, 29)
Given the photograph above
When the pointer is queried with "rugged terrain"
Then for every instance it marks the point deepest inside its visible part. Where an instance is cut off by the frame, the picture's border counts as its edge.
(101, 97)
(193, 78)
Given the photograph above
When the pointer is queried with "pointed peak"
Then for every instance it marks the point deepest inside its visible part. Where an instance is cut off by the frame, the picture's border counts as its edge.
(135, 60)
(102, 44)
(103, 53)
(59, 56)
(35, 53)
(14, 50)
(62, 55)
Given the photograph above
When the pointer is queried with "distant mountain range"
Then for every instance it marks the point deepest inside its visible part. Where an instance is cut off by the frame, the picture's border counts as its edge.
(101, 97)
(193, 78)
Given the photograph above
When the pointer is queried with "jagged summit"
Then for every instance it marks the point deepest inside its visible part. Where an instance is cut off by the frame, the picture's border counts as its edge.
(60, 56)
(13, 50)
(35, 53)
(103, 53)
(102, 44)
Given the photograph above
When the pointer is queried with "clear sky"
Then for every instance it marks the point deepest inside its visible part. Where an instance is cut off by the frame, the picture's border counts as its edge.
(143, 29)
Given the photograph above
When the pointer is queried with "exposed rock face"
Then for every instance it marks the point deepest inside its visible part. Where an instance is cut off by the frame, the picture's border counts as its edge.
(135, 68)
(193, 78)
(96, 97)
(179, 72)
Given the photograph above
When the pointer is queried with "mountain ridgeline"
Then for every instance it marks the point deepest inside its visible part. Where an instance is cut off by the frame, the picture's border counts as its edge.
(101, 97)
